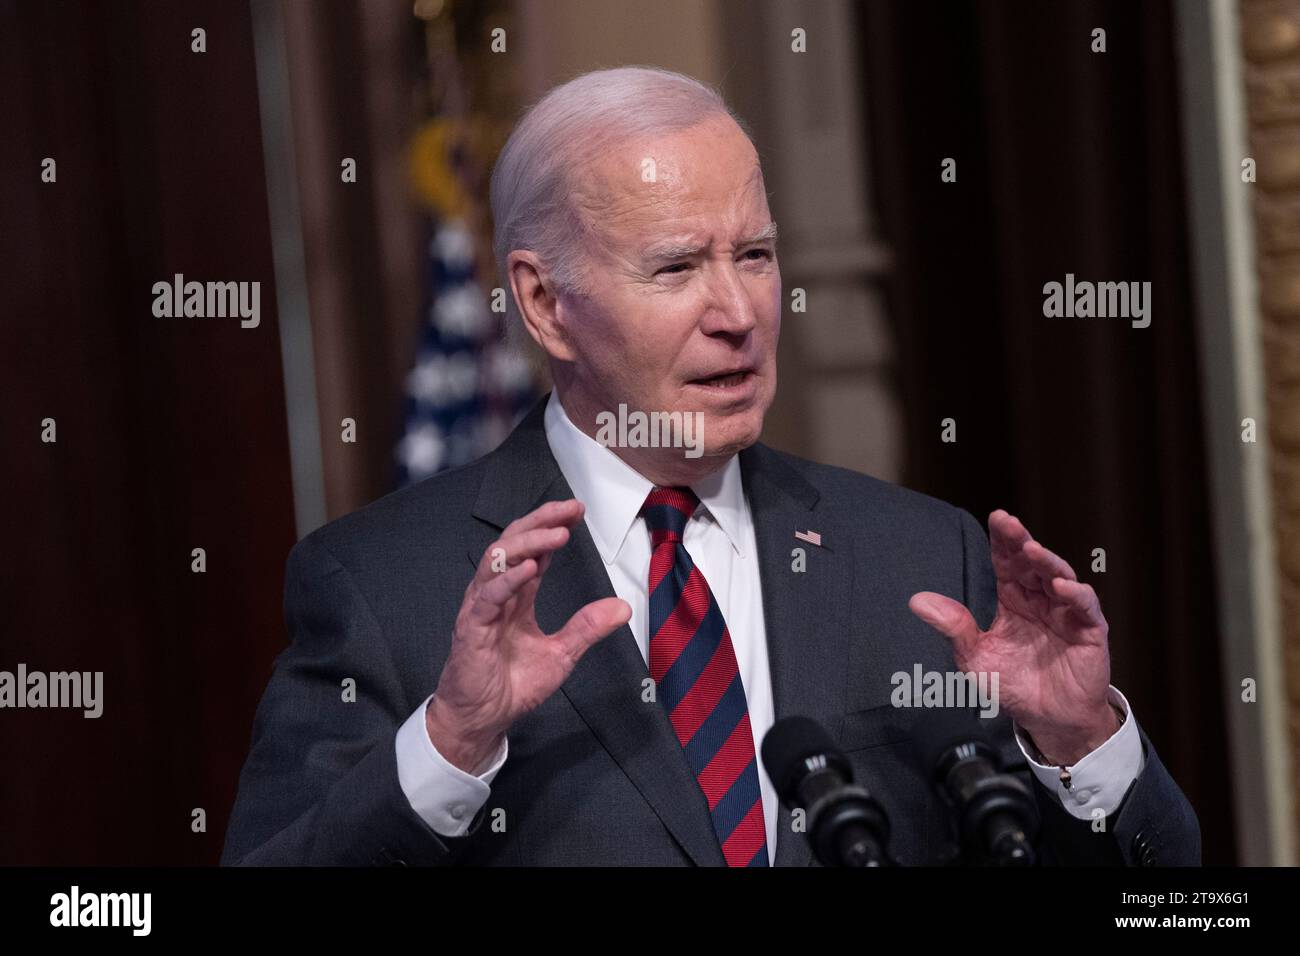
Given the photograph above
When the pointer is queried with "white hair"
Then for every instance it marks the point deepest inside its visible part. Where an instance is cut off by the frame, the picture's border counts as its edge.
(533, 182)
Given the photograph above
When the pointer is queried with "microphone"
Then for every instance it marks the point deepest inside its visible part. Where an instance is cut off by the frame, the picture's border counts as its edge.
(994, 814)
(846, 825)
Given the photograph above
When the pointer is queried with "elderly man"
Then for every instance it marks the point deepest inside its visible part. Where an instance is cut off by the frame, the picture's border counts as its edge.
(569, 651)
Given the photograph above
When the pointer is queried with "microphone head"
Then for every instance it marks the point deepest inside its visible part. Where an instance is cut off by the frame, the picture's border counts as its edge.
(937, 731)
(787, 747)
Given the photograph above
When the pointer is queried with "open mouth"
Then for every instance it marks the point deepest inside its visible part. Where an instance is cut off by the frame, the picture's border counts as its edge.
(725, 381)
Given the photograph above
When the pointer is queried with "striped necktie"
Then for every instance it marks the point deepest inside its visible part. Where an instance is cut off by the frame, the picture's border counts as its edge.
(694, 667)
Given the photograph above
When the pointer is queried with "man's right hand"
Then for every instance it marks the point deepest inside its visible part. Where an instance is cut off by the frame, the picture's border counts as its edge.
(501, 665)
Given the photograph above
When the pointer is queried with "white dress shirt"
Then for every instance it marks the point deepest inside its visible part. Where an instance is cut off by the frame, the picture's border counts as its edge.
(720, 540)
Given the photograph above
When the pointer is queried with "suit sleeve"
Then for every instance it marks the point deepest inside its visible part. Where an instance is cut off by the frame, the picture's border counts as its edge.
(1154, 825)
(320, 786)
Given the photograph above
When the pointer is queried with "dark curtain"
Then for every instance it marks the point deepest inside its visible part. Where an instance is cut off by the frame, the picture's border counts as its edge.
(171, 432)
(1068, 161)
(352, 70)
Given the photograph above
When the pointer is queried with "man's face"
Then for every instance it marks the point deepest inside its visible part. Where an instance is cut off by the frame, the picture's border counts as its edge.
(684, 285)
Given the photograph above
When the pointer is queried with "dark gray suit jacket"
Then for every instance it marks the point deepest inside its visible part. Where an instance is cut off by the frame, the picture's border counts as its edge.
(594, 775)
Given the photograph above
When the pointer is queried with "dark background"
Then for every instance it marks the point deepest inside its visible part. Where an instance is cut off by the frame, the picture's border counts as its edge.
(1088, 430)
(171, 434)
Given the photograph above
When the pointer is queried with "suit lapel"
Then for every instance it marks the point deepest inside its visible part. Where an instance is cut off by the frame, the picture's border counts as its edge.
(805, 613)
(607, 684)
(805, 616)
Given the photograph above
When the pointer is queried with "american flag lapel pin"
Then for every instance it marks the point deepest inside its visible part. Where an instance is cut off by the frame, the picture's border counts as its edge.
(812, 537)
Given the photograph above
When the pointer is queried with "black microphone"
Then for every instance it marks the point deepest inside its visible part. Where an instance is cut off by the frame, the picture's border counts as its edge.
(994, 814)
(845, 824)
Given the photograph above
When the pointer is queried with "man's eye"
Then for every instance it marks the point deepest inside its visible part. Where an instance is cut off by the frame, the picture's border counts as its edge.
(762, 252)
(668, 270)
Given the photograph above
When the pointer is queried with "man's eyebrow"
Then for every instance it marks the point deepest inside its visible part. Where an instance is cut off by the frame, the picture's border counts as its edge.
(766, 234)
(677, 248)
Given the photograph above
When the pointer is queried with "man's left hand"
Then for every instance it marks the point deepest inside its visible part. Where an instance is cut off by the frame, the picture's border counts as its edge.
(1047, 644)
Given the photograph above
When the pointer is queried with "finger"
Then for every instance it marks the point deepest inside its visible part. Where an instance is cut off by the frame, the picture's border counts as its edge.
(1081, 599)
(491, 598)
(527, 594)
(1007, 541)
(529, 544)
(1047, 564)
(948, 617)
(1006, 533)
(593, 623)
(549, 515)
(1032, 602)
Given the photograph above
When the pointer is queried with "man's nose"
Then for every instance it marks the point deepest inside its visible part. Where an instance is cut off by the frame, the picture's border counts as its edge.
(730, 309)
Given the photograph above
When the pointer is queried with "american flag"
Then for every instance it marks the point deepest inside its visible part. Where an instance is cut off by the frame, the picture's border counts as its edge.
(468, 389)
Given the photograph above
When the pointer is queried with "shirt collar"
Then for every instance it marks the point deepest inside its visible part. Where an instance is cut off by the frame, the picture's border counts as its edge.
(613, 491)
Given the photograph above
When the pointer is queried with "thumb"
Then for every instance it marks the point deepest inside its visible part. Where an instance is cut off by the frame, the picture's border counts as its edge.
(951, 618)
(592, 623)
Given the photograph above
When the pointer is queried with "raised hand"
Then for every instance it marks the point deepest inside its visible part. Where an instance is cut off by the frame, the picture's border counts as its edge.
(501, 665)
(1048, 644)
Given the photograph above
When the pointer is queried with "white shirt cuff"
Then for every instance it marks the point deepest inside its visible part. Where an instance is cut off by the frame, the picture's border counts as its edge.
(444, 796)
(1101, 778)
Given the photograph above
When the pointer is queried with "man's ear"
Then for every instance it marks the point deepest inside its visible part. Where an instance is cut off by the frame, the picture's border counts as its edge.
(535, 294)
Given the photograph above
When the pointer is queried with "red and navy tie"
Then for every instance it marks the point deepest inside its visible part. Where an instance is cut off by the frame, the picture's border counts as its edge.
(694, 667)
